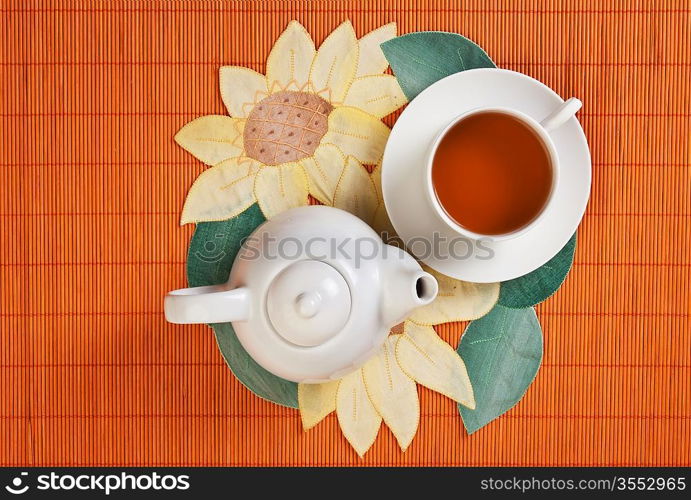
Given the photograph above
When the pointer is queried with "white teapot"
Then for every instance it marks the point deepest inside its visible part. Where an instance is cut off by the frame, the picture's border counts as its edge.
(312, 294)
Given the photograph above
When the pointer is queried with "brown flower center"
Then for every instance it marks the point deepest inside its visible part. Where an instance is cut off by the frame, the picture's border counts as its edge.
(286, 126)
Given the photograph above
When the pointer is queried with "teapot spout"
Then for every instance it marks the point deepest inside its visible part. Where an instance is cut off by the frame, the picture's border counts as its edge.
(405, 286)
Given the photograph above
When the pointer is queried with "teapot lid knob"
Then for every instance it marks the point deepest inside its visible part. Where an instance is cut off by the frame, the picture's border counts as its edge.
(308, 303)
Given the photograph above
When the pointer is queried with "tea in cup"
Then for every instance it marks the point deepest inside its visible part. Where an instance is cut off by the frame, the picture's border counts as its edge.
(492, 172)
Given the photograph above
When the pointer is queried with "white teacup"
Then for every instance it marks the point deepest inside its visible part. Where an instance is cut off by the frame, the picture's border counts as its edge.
(541, 129)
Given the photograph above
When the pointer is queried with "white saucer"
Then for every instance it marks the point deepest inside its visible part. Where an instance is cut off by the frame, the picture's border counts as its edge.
(403, 168)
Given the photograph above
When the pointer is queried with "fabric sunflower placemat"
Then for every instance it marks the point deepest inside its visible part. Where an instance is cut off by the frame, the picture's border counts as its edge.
(306, 128)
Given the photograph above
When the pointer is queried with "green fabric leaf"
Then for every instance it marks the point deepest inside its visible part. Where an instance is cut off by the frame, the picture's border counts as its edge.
(214, 246)
(502, 352)
(473, 56)
(262, 383)
(534, 287)
(211, 254)
(420, 59)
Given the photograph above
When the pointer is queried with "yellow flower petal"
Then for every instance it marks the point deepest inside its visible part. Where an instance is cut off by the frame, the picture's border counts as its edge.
(376, 178)
(324, 168)
(393, 393)
(279, 188)
(355, 192)
(316, 401)
(372, 60)
(383, 226)
(433, 363)
(290, 58)
(335, 63)
(378, 95)
(357, 133)
(240, 89)
(221, 192)
(358, 419)
(456, 301)
(212, 138)
(381, 222)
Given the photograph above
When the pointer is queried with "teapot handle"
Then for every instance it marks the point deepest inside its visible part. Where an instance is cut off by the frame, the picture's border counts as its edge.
(207, 304)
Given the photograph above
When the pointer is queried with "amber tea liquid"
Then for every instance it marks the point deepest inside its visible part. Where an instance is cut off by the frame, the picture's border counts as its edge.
(492, 173)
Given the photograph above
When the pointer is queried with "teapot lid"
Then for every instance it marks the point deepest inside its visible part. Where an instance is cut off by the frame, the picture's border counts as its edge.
(308, 303)
(315, 298)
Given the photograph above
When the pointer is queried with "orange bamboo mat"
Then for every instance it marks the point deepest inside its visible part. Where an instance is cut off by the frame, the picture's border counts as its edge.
(92, 185)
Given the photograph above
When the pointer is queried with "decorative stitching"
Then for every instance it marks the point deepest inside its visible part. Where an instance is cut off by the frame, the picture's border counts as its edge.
(349, 134)
(228, 186)
(320, 169)
(435, 389)
(419, 349)
(380, 98)
(423, 63)
(486, 340)
(281, 143)
(377, 410)
(281, 184)
(289, 104)
(387, 366)
(330, 74)
(220, 141)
